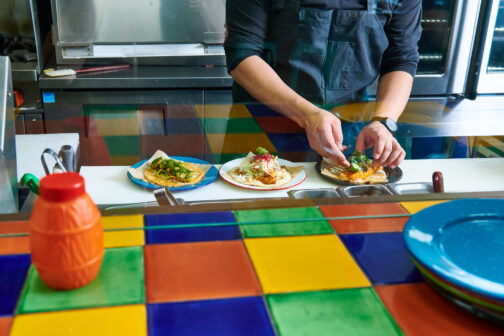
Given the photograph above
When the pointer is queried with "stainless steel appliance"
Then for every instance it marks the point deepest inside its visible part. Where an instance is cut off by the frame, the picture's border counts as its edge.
(8, 174)
(449, 27)
(490, 66)
(142, 31)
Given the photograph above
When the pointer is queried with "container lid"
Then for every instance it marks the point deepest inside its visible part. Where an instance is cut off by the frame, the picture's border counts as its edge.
(62, 187)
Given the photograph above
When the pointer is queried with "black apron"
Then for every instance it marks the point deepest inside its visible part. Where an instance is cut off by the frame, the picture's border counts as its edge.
(328, 51)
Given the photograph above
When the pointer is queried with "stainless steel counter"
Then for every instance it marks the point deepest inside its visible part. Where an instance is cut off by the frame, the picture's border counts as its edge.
(144, 77)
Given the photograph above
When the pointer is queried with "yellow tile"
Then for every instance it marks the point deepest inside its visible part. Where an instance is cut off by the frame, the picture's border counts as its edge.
(122, 222)
(238, 143)
(414, 207)
(122, 320)
(199, 110)
(123, 238)
(117, 126)
(225, 111)
(291, 264)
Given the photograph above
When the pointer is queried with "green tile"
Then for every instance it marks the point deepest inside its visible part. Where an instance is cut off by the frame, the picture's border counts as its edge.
(231, 125)
(122, 145)
(338, 312)
(120, 282)
(295, 228)
(111, 111)
(221, 158)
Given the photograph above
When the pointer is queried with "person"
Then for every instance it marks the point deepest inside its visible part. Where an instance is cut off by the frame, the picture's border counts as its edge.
(299, 56)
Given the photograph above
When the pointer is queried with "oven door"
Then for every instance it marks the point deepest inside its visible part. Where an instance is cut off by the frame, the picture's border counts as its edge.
(491, 70)
(448, 28)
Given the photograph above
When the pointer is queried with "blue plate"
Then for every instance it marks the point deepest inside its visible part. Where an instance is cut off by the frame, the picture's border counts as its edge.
(210, 175)
(462, 242)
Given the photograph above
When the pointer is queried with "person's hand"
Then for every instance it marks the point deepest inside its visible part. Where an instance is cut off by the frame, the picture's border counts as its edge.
(324, 134)
(387, 151)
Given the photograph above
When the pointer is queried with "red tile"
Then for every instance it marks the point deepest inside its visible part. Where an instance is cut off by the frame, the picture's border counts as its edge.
(278, 125)
(5, 323)
(14, 245)
(365, 224)
(195, 271)
(418, 310)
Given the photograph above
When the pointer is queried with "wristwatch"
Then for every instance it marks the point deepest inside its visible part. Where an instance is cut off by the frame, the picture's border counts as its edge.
(389, 123)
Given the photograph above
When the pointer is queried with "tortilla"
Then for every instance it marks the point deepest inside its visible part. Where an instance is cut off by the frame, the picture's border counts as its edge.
(151, 176)
(282, 178)
(283, 175)
(338, 172)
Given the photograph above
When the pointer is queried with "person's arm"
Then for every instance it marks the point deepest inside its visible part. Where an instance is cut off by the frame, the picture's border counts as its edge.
(322, 127)
(397, 72)
(246, 23)
(394, 89)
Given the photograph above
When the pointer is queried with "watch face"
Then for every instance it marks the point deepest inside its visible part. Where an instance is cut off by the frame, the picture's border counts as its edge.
(391, 125)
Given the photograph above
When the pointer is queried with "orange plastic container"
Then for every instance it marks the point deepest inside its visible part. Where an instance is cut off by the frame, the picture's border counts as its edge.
(66, 235)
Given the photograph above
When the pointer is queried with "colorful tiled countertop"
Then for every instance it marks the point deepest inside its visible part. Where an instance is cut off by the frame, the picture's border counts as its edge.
(299, 271)
(110, 184)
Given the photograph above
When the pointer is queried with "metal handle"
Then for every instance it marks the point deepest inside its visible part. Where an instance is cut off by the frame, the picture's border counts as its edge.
(438, 182)
(67, 156)
(165, 197)
(55, 156)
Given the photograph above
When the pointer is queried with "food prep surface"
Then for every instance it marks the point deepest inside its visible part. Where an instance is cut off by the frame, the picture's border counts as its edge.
(110, 185)
(297, 271)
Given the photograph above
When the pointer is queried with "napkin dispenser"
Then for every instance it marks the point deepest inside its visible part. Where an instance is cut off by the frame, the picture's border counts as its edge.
(8, 170)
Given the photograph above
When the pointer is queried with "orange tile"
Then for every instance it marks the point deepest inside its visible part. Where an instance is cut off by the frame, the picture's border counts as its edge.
(366, 224)
(418, 310)
(5, 323)
(14, 245)
(194, 271)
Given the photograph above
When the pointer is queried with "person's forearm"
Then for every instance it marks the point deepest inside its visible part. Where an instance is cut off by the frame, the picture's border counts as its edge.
(262, 82)
(393, 93)
(323, 129)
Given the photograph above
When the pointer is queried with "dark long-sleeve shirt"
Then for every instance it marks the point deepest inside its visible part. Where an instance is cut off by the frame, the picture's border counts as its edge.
(247, 24)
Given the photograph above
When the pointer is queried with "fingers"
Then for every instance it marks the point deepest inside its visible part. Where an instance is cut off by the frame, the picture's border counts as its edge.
(379, 146)
(398, 161)
(387, 150)
(325, 136)
(322, 141)
(337, 135)
(360, 143)
(331, 149)
(394, 155)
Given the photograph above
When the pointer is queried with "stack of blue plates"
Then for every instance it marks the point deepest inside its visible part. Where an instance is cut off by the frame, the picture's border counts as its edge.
(458, 246)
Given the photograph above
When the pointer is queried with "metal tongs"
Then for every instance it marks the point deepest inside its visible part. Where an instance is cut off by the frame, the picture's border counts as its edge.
(65, 160)
(59, 164)
(165, 197)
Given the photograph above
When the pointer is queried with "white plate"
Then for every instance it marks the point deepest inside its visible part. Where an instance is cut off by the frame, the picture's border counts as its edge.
(225, 168)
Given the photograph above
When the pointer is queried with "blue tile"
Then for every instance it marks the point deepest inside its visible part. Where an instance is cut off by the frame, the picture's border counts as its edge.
(179, 235)
(383, 257)
(13, 270)
(237, 316)
(289, 142)
(260, 110)
(183, 126)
